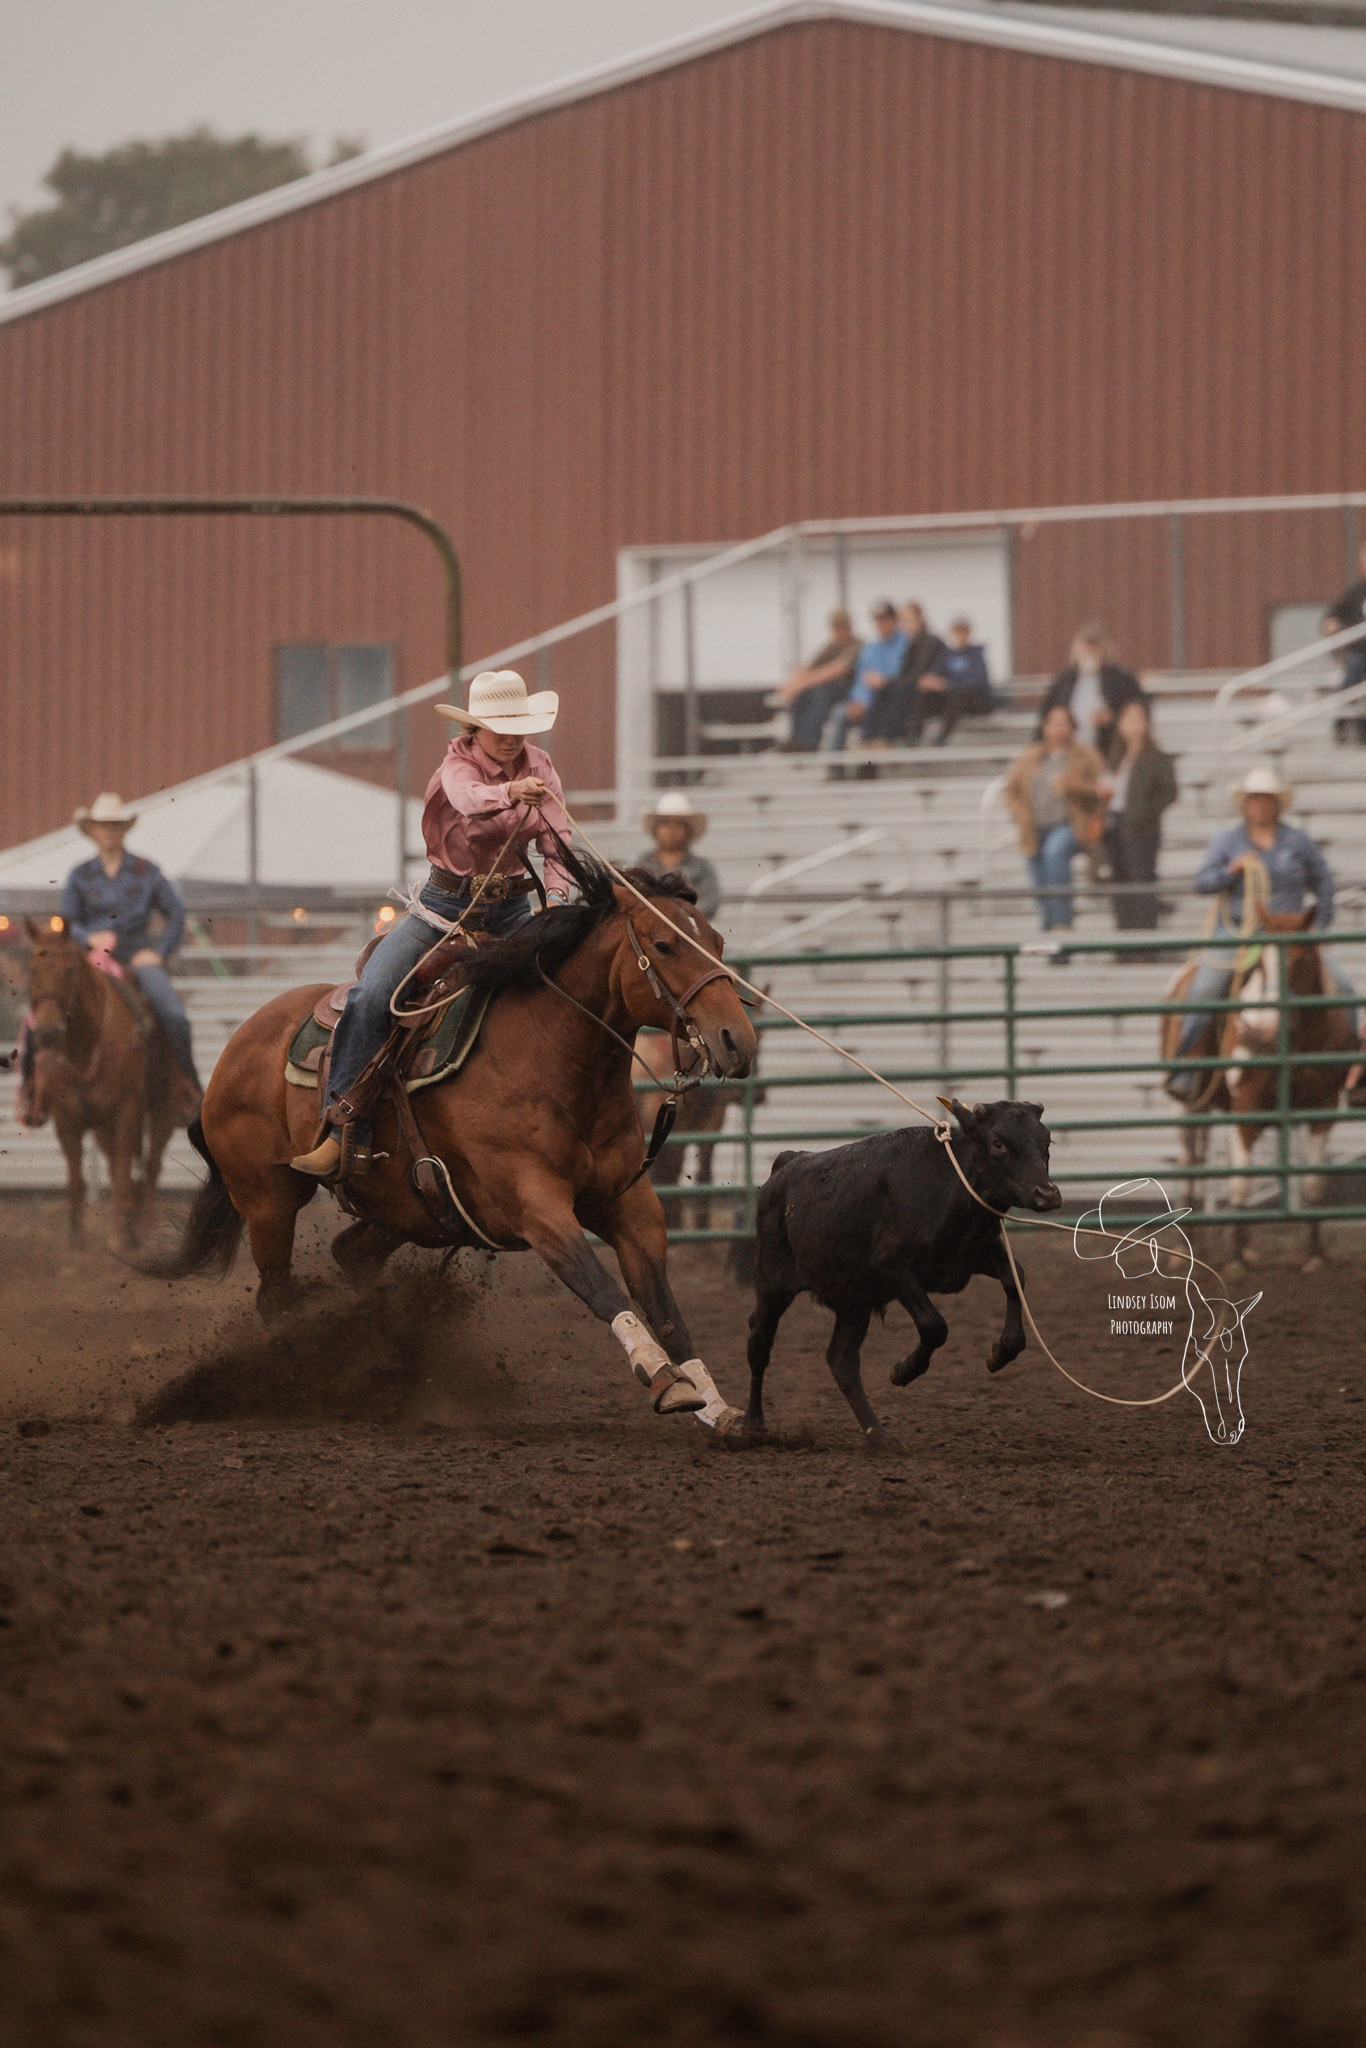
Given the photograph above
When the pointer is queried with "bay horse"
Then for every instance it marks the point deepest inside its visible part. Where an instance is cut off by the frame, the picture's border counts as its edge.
(539, 1133)
(95, 1069)
(1232, 1036)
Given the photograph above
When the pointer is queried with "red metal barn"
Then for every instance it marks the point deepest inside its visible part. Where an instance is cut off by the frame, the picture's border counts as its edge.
(836, 259)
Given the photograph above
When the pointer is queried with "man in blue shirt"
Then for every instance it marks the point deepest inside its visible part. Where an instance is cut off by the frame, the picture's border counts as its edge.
(879, 663)
(108, 903)
(1295, 868)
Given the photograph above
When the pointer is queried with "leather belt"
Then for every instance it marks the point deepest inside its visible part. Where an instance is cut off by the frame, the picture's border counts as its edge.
(496, 888)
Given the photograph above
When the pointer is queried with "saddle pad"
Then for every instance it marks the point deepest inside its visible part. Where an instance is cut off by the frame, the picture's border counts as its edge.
(437, 1058)
(452, 1042)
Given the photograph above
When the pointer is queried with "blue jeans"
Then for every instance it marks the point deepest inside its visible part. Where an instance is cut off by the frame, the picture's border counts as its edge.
(365, 1023)
(1050, 871)
(156, 984)
(811, 709)
(1212, 982)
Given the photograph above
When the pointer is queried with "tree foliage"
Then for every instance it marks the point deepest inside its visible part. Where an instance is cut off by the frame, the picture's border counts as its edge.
(105, 202)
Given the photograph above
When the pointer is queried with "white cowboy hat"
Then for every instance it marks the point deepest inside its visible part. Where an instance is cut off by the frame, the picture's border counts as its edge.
(1262, 781)
(675, 803)
(498, 700)
(107, 809)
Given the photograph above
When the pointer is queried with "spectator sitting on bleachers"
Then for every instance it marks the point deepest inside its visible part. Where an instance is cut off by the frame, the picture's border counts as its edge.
(878, 664)
(1094, 688)
(898, 716)
(955, 686)
(814, 691)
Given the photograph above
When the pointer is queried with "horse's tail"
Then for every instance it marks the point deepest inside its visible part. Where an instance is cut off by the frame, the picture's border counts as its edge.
(212, 1229)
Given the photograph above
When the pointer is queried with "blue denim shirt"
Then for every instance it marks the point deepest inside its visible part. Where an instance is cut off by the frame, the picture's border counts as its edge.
(93, 901)
(1295, 865)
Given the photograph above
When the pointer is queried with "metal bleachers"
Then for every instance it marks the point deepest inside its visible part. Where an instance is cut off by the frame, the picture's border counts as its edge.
(894, 852)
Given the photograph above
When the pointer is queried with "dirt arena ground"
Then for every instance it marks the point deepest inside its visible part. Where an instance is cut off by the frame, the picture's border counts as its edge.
(400, 1681)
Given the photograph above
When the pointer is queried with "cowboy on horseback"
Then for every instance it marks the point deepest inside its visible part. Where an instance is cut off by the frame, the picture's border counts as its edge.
(107, 905)
(1294, 866)
(492, 798)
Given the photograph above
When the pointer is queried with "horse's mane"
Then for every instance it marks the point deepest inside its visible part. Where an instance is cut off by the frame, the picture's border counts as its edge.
(544, 943)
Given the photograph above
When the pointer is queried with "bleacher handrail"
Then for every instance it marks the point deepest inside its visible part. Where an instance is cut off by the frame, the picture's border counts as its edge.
(1016, 518)
(1327, 643)
(838, 849)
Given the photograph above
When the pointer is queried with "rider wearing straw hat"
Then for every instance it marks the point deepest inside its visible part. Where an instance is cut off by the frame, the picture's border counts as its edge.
(675, 826)
(108, 904)
(493, 797)
(1295, 868)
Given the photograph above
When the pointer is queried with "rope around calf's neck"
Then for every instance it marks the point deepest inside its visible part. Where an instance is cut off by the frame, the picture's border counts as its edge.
(943, 1130)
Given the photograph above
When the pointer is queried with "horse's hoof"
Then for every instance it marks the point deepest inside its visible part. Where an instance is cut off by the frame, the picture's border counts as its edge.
(730, 1422)
(997, 1358)
(882, 1443)
(905, 1370)
(673, 1393)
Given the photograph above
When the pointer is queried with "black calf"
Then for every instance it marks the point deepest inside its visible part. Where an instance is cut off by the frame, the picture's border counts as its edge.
(888, 1219)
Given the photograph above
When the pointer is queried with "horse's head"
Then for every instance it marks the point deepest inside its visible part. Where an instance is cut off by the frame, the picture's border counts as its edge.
(1215, 1363)
(57, 974)
(667, 981)
(1303, 964)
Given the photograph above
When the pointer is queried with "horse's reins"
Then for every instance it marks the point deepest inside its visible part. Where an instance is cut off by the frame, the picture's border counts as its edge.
(943, 1131)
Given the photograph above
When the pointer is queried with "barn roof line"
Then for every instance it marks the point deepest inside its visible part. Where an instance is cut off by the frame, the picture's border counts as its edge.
(960, 20)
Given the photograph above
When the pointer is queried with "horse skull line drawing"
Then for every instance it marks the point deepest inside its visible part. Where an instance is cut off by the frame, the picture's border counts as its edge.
(1216, 1337)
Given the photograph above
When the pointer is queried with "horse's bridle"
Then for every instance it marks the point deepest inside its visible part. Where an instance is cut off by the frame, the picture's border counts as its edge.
(683, 1079)
(678, 1004)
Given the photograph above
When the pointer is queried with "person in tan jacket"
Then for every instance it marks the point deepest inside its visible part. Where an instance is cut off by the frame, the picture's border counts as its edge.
(1054, 795)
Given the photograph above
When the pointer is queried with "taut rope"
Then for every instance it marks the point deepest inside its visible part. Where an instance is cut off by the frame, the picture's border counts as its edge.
(943, 1130)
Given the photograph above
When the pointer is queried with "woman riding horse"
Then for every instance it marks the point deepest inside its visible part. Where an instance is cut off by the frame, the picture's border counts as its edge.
(107, 906)
(1295, 868)
(492, 797)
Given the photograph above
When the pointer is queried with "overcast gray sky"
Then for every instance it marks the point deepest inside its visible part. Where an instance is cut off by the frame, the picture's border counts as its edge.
(95, 72)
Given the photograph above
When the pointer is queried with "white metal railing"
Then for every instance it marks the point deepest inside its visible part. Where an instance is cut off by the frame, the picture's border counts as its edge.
(839, 850)
(1298, 657)
(538, 646)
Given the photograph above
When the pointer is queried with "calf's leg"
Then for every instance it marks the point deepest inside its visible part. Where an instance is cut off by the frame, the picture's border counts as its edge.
(771, 1305)
(842, 1356)
(1011, 1341)
(930, 1325)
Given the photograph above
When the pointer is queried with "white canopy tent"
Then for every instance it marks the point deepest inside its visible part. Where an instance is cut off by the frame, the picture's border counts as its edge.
(314, 829)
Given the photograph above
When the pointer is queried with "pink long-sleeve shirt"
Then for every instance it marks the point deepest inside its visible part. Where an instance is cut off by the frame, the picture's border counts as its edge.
(468, 814)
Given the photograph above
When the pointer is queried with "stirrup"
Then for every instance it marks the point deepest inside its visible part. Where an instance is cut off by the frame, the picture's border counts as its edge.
(357, 1153)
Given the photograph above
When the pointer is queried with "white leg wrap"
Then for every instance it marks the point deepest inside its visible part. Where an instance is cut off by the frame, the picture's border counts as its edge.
(643, 1355)
(717, 1408)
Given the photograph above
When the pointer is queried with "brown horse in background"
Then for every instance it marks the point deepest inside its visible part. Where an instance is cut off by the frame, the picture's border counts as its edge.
(95, 1069)
(539, 1133)
(701, 1117)
(1232, 1036)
